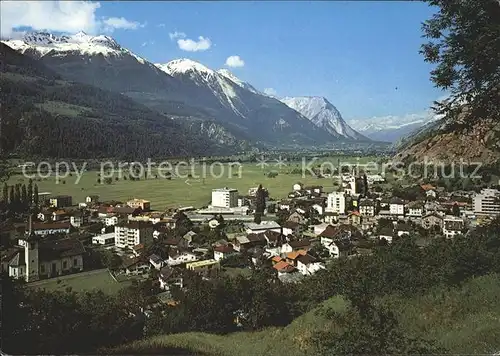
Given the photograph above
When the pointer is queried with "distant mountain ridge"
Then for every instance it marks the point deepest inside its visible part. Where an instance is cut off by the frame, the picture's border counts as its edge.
(324, 115)
(393, 128)
(183, 90)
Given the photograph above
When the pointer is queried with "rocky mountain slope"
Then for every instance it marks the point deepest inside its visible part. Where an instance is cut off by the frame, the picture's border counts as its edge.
(180, 88)
(324, 115)
(447, 140)
(237, 103)
(46, 116)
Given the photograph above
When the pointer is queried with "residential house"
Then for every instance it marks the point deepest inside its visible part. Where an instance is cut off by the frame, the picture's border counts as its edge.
(314, 189)
(138, 250)
(189, 237)
(206, 267)
(78, 219)
(43, 229)
(367, 207)
(104, 239)
(223, 251)
(253, 228)
(397, 207)
(283, 267)
(144, 205)
(290, 246)
(169, 277)
(432, 220)
(136, 266)
(354, 218)
(330, 218)
(291, 257)
(298, 187)
(291, 228)
(241, 243)
(112, 220)
(60, 201)
(453, 226)
(156, 261)
(308, 265)
(296, 217)
(415, 209)
(178, 257)
(386, 234)
(127, 235)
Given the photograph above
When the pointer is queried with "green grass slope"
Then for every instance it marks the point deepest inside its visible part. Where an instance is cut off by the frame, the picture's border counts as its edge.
(463, 320)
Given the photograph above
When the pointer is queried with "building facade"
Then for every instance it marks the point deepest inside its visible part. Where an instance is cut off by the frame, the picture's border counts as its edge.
(128, 235)
(225, 198)
(487, 202)
(335, 203)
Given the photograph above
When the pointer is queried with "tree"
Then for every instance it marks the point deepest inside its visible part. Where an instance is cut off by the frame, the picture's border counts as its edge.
(30, 191)
(464, 37)
(260, 204)
(5, 193)
(455, 210)
(377, 332)
(35, 195)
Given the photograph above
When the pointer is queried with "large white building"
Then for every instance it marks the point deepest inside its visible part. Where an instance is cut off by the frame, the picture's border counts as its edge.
(134, 233)
(225, 198)
(335, 203)
(487, 202)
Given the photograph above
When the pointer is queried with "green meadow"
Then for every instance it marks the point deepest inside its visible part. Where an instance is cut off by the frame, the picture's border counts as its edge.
(195, 191)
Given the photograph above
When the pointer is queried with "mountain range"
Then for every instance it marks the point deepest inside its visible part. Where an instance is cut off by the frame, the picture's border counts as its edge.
(214, 103)
(393, 128)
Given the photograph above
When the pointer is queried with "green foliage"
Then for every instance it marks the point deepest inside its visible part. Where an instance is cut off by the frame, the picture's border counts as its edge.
(464, 37)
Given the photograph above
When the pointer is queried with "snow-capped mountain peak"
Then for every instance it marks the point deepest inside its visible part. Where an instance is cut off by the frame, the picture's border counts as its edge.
(183, 66)
(322, 114)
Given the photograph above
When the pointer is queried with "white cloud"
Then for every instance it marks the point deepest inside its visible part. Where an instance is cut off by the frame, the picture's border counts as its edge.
(162, 25)
(174, 35)
(194, 46)
(235, 61)
(59, 16)
(270, 91)
(120, 23)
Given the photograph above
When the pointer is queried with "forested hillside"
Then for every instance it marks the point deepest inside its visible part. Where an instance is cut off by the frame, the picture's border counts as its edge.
(45, 116)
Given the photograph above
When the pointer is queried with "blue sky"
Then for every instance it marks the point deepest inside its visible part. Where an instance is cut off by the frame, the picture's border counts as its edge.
(362, 56)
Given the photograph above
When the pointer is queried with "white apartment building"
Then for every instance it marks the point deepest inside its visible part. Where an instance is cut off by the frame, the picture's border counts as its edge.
(397, 207)
(225, 198)
(134, 233)
(487, 202)
(452, 226)
(335, 203)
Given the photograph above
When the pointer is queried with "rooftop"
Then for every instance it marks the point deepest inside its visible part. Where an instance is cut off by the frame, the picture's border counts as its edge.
(201, 263)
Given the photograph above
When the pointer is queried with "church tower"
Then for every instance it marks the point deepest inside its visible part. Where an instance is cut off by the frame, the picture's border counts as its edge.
(30, 244)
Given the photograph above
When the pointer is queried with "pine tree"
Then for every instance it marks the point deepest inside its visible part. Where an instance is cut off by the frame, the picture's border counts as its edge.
(24, 196)
(11, 195)
(5, 194)
(30, 191)
(35, 195)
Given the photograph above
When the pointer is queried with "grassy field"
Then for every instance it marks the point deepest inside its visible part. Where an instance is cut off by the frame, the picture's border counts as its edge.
(176, 192)
(465, 320)
(86, 281)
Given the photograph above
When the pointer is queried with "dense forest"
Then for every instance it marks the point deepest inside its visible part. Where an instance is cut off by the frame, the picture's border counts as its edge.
(43, 115)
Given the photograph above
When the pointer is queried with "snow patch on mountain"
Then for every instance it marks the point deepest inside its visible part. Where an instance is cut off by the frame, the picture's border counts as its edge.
(227, 74)
(323, 114)
(45, 43)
